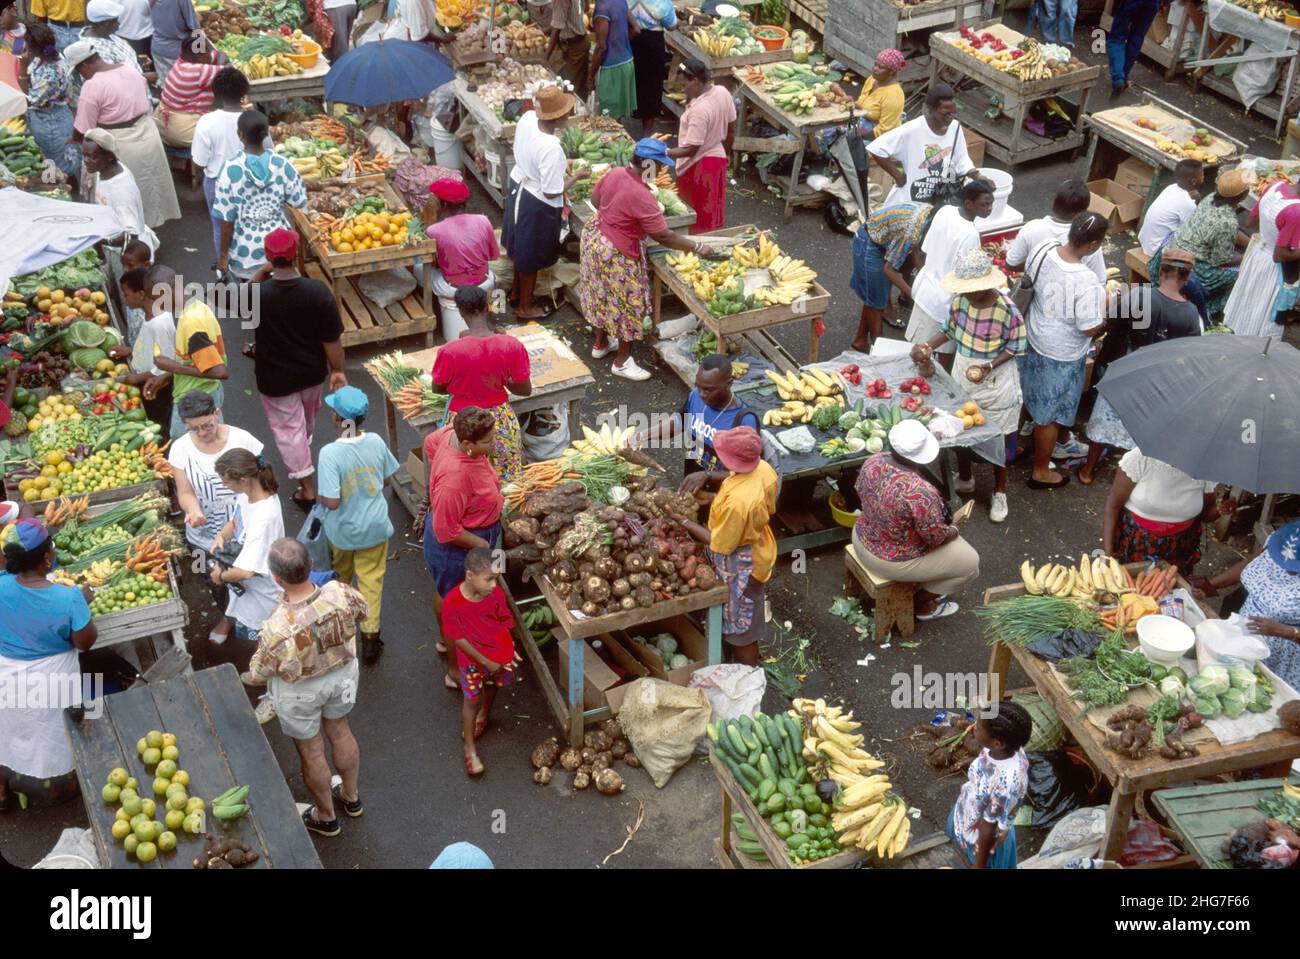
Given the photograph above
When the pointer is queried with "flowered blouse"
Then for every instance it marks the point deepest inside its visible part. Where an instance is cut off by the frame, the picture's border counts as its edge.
(1274, 593)
(993, 792)
(902, 514)
(898, 229)
(981, 333)
(1210, 233)
(47, 85)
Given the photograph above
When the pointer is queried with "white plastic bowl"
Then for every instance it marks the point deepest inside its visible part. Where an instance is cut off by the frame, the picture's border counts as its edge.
(727, 10)
(1164, 639)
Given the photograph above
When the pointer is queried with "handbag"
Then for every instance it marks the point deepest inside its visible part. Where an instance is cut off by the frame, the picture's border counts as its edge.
(312, 535)
(946, 190)
(1023, 294)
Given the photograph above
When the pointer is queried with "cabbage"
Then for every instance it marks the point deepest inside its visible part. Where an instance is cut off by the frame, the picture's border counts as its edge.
(87, 358)
(875, 444)
(856, 444)
(1243, 679)
(1261, 702)
(678, 661)
(1211, 681)
(1171, 686)
(1207, 706)
(667, 644)
(83, 333)
(849, 419)
(1233, 703)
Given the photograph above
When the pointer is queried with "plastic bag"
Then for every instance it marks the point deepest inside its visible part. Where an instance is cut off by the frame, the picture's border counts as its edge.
(663, 723)
(386, 288)
(1255, 79)
(545, 433)
(1146, 843)
(1073, 842)
(1225, 642)
(1065, 645)
(312, 535)
(946, 427)
(1057, 786)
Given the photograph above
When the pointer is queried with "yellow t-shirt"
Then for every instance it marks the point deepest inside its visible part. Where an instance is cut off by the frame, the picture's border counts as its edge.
(741, 516)
(67, 11)
(883, 105)
(198, 344)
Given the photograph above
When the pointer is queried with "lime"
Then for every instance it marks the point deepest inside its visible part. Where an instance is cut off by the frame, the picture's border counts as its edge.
(145, 831)
(174, 819)
(167, 841)
(166, 769)
(148, 807)
(131, 803)
(143, 744)
(130, 843)
(123, 815)
(155, 738)
(181, 777)
(193, 804)
(121, 830)
(118, 777)
(170, 754)
(110, 792)
(169, 739)
(152, 756)
(146, 852)
(160, 786)
(178, 801)
(131, 784)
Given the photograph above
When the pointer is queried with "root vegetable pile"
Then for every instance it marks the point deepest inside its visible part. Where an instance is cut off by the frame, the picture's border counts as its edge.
(592, 764)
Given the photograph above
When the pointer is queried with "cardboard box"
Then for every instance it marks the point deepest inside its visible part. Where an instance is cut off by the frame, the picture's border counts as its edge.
(1135, 176)
(974, 146)
(598, 677)
(417, 469)
(690, 642)
(1119, 206)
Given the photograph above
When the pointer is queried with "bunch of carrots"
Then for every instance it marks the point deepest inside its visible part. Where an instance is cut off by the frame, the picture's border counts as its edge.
(375, 164)
(1156, 582)
(155, 457)
(149, 557)
(536, 478)
(64, 508)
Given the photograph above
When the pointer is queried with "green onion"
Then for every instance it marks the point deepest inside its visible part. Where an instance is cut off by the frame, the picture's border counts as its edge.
(1023, 620)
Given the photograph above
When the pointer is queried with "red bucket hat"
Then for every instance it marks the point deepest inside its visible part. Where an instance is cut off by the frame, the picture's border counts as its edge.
(739, 448)
(281, 244)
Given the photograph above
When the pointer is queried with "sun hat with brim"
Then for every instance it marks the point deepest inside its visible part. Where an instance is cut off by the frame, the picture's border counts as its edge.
(78, 53)
(739, 448)
(102, 139)
(26, 533)
(973, 271)
(1232, 184)
(551, 103)
(1284, 547)
(1177, 257)
(912, 441)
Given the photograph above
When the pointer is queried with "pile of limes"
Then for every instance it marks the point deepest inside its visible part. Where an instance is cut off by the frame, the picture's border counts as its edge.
(129, 593)
(110, 469)
(141, 835)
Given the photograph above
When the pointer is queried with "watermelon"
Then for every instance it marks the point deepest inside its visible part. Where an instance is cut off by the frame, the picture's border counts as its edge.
(83, 333)
(87, 357)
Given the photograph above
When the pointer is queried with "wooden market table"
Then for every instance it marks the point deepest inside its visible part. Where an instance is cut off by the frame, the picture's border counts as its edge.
(683, 47)
(1205, 815)
(584, 211)
(1111, 138)
(811, 309)
(571, 715)
(305, 85)
(800, 126)
(221, 746)
(559, 378)
(1007, 139)
(364, 321)
(856, 30)
(1274, 106)
(1130, 777)
(142, 624)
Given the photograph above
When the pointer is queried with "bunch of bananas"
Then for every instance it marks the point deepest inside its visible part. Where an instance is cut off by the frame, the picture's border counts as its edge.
(684, 263)
(867, 815)
(607, 441)
(1091, 575)
(100, 572)
(797, 411)
(326, 164)
(260, 66)
(707, 283)
(713, 44)
(762, 255)
(793, 279)
(807, 385)
(1031, 66)
(14, 126)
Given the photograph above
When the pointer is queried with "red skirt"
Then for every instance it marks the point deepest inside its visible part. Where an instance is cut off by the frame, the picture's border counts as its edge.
(703, 186)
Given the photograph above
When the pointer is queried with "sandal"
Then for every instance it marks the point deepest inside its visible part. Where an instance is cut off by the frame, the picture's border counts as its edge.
(474, 765)
(449, 682)
(480, 725)
(547, 311)
(249, 350)
(303, 503)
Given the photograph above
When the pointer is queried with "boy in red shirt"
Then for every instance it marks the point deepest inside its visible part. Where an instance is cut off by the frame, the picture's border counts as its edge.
(476, 618)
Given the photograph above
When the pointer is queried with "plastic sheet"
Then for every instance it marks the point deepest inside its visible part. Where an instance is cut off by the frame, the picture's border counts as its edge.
(1229, 18)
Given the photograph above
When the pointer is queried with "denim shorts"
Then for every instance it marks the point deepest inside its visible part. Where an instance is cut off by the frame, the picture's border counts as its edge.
(868, 280)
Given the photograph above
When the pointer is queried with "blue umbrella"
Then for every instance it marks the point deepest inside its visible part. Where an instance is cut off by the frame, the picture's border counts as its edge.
(385, 72)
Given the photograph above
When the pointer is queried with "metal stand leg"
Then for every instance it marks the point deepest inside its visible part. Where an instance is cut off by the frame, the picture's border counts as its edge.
(577, 667)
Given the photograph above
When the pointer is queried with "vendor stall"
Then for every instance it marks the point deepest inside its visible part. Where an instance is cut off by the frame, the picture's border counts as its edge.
(856, 30)
(1018, 73)
(559, 378)
(1163, 42)
(1204, 816)
(1141, 769)
(307, 84)
(721, 44)
(1272, 49)
(221, 746)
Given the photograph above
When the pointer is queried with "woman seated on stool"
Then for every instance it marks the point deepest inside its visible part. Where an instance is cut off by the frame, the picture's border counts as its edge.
(903, 534)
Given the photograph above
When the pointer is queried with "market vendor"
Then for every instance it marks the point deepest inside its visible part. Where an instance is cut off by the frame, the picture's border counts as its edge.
(568, 51)
(1212, 235)
(882, 97)
(187, 94)
(43, 626)
(113, 186)
(882, 248)
(103, 36)
(116, 98)
(988, 333)
(49, 100)
(1156, 510)
(483, 368)
(612, 72)
(905, 535)
(615, 295)
(740, 539)
(1269, 265)
(923, 153)
(1268, 598)
(703, 145)
(467, 245)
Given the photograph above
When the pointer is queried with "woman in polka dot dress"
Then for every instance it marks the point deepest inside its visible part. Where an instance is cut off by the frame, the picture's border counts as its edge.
(250, 197)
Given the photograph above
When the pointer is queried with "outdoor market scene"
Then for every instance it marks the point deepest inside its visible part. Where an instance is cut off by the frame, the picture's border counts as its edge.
(775, 434)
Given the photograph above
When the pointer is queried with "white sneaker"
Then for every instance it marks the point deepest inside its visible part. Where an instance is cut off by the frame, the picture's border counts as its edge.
(1070, 450)
(998, 511)
(1027, 429)
(598, 354)
(265, 710)
(964, 486)
(630, 371)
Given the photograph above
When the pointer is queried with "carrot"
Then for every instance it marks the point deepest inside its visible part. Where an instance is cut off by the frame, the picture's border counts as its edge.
(1128, 577)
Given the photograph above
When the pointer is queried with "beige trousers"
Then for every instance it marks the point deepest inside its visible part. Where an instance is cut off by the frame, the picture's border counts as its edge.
(944, 571)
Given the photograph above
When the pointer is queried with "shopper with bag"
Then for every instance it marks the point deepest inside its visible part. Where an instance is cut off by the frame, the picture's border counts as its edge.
(926, 157)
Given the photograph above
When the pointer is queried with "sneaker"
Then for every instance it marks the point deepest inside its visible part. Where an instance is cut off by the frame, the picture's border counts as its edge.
(315, 825)
(1070, 450)
(372, 647)
(1027, 429)
(598, 354)
(998, 510)
(630, 371)
(945, 608)
(353, 809)
(964, 485)
(265, 711)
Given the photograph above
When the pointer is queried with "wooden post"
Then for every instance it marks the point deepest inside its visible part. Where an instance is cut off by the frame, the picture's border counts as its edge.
(1118, 818)
(715, 633)
(577, 672)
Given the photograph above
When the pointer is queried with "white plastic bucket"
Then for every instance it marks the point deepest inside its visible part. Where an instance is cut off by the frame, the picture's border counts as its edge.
(1002, 181)
(446, 147)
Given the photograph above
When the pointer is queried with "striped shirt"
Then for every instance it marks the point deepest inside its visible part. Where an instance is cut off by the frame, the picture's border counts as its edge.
(898, 229)
(983, 333)
(189, 87)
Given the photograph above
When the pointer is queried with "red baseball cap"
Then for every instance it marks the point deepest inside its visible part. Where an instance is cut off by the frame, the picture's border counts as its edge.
(281, 244)
(451, 191)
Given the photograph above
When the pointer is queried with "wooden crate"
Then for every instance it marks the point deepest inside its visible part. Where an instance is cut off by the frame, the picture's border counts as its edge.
(365, 261)
(163, 486)
(1204, 816)
(575, 628)
(811, 12)
(309, 83)
(132, 624)
(815, 304)
(856, 30)
(682, 44)
(797, 123)
(942, 45)
(366, 322)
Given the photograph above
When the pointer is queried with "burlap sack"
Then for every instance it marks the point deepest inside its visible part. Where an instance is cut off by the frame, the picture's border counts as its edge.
(663, 723)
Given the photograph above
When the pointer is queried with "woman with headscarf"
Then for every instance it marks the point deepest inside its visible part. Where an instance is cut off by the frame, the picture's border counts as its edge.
(250, 198)
(102, 32)
(113, 186)
(882, 98)
(116, 99)
(49, 103)
(615, 294)
(187, 92)
(43, 626)
(703, 145)
(467, 245)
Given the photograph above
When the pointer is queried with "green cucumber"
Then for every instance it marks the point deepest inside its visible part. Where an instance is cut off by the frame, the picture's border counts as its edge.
(738, 745)
(752, 850)
(766, 789)
(765, 767)
(802, 775)
(759, 732)
(750, 776)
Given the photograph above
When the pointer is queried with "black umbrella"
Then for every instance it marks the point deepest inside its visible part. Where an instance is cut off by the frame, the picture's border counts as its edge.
(1221, 408)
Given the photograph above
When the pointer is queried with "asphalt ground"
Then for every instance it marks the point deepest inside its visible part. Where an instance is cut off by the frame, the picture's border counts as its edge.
(417, 796)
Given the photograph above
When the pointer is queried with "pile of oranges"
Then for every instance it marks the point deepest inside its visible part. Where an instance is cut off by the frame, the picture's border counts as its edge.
(970, 416)
(368, 231)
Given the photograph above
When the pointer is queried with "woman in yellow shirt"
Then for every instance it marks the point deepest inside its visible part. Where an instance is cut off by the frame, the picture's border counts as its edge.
(739, 537)
(882, 95)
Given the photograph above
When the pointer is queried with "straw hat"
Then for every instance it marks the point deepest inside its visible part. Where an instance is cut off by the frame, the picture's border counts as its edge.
(552, 103)
(973, 271)
(1232, 184)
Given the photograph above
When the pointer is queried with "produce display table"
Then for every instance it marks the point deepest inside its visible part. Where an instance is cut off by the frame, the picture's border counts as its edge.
(559, 378)
(1266, 40)
(574, 630)
(305, 85)
(145, 622)
(1118, 138)
(1130, 777)
(1204, 816)
(683, 47)
(1167, 57)
(856, 30)
(810, 309)
(584, 211)
(1007, 139)
(800, 126)
(221, 746)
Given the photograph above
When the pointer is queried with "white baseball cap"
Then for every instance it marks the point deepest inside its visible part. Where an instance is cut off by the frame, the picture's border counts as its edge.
(78, 53)
(912, 441)
(98, 11)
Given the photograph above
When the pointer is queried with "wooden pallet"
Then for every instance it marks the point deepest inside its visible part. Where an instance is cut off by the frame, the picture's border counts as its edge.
(811, 12)
(366, 322)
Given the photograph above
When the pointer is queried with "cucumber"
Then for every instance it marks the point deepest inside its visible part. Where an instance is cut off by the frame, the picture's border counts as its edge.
(750, 776)
(741, 825)
(766, 768)
(759, 732)
(753, 756)
(801, 775)
(734, 767)
(738, 745)
(752, 850)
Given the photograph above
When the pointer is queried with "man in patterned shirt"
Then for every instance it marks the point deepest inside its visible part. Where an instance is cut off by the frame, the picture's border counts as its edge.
(307, 649)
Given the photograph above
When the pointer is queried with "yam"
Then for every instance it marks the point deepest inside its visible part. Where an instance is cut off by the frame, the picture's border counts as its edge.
(570, 759)
(542, 776)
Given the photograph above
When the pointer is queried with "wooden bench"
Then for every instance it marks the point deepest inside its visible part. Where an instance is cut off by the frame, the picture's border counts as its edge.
(892, 601)
(1137, 261)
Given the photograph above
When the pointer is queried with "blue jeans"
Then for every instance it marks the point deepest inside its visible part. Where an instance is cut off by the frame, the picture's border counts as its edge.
(210, 194)
(1127, 31)
(1058, 21)
(64, 35)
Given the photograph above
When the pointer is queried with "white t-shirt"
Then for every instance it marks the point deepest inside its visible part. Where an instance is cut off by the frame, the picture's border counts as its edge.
(157, 337)
(135, 21)
(1037, 232)
(260, 524)
(949, 236)
(539, 161)
(924, 157)
(1068, 299)
(1162, 494)
(121, 195)
(1168, 212)
(412, 20)
(200, 468)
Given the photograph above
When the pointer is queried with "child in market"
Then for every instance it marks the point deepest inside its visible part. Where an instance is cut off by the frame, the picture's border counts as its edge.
(476, 618)
(983, 820)
(155, 336)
